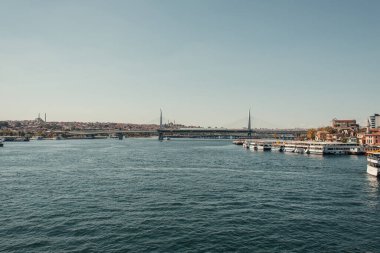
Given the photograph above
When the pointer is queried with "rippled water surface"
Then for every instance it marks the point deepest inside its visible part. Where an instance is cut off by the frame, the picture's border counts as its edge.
(143, 195)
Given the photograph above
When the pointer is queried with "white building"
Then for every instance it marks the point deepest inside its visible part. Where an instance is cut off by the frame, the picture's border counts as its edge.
(374, 121)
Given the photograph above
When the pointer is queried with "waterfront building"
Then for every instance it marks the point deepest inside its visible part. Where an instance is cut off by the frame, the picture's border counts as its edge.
(374, 121)
(323, 135)
(372, 139)
(361, 138)
(345, 128)
(341, 124)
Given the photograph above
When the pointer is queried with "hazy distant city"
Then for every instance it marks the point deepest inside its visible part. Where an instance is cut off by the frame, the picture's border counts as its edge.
(343, 130)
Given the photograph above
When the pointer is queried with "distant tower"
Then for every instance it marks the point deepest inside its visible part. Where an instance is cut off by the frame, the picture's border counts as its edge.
(368, 127)
(160, 133)
(249, 123)
(39, 115)
(45, 117)
(160, 118)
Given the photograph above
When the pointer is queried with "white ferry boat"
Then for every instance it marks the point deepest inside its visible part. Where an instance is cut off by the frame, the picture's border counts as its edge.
(359, 150)
(315, 148)
(323, 148)
(338, 148)
(373, 163)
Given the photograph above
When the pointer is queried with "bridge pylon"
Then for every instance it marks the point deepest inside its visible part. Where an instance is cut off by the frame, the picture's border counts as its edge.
(119, 135)
(160, 133)
(249, 124)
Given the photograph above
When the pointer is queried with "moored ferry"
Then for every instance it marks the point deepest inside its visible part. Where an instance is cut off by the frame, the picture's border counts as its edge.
(358, 150)
(338, 148)
(323, 148)
(373, 163)
(315, 148)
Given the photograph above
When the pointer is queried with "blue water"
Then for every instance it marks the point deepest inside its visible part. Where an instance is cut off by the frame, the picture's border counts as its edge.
(141, 195)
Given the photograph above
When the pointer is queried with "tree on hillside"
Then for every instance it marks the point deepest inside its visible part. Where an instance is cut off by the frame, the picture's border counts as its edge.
(311, 134)
(328, 129)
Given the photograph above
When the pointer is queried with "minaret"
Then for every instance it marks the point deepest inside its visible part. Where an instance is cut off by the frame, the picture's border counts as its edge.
(368, 127)
(45, 117)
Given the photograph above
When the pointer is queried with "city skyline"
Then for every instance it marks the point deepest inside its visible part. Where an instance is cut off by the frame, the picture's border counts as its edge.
(293, 63)
(249, 120)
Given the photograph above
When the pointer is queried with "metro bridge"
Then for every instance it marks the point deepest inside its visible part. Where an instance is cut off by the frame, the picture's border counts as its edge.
(235, 133)
(196, 133)
(163, 132)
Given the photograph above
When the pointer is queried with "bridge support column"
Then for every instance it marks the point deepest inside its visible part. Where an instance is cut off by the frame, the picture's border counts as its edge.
(160, 136)
(119, 135)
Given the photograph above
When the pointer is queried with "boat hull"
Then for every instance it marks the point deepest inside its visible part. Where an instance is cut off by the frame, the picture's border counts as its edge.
(299, 150)
(264, 148)
(278, 149)
(373, 171)
(291, 150)
(315, 152)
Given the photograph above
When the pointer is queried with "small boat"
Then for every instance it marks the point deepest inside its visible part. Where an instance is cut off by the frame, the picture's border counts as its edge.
(299, 150)
(373, 163)
(279, 148)
(253, 146)
(21, 139)
(37, 138)
(238, 142)
(290, 148)
(264, 146)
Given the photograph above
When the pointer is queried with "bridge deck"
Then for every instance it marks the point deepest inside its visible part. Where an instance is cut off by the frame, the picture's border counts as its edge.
(191, 130)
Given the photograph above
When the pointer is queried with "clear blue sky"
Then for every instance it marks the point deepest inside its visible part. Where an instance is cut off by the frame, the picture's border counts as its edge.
(294, 63)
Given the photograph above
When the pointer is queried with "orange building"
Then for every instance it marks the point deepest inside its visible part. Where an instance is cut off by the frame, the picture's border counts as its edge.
(361, 138)
(372, 139)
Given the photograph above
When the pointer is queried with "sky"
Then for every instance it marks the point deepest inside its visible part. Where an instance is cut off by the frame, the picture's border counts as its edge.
(204, 62)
